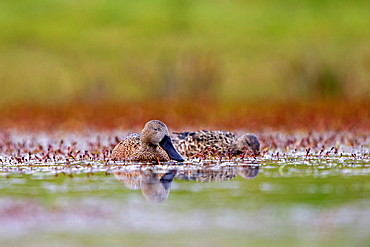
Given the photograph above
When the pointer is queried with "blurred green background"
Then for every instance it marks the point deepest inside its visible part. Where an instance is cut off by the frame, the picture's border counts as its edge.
(65, 50)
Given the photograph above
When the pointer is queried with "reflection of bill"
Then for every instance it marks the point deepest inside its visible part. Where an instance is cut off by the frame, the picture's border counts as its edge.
(155, 187)
(222, 174)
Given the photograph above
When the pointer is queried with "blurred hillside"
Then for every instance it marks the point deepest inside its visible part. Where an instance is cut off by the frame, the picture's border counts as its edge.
(63, 50)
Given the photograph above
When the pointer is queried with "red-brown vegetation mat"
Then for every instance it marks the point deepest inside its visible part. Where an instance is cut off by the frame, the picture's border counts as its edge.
(285, 116)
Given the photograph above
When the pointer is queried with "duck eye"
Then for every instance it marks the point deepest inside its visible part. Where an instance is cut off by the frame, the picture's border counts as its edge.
(156, 129)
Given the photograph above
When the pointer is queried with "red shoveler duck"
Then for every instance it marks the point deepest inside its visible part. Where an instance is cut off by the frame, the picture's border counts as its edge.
(217, 142)
(152, 145)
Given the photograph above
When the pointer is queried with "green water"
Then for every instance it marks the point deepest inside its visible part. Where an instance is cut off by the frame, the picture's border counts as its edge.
(280, 207)
(283, 198)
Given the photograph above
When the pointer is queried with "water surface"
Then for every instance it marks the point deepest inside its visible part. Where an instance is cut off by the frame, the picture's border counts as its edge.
(290, 196)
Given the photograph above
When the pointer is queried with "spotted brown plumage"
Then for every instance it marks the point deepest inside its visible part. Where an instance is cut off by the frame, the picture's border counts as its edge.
(153, 144)
(216, 143)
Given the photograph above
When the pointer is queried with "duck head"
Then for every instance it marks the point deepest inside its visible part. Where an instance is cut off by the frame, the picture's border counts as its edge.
(250, 141)
(155, 133)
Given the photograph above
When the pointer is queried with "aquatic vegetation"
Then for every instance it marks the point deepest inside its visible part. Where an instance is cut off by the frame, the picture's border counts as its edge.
(330, 115)
(29, 153)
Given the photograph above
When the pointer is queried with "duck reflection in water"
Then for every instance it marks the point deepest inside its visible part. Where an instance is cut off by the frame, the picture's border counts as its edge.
(247, 171)
(155, 187)
(225, 173)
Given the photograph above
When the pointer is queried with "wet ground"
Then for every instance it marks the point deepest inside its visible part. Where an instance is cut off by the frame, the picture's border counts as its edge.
(306, 189)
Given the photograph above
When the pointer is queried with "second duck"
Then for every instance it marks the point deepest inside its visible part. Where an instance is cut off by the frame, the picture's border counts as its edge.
(217, 142)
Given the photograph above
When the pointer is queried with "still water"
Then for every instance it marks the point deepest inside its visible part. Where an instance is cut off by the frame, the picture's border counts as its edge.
(78, 198)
